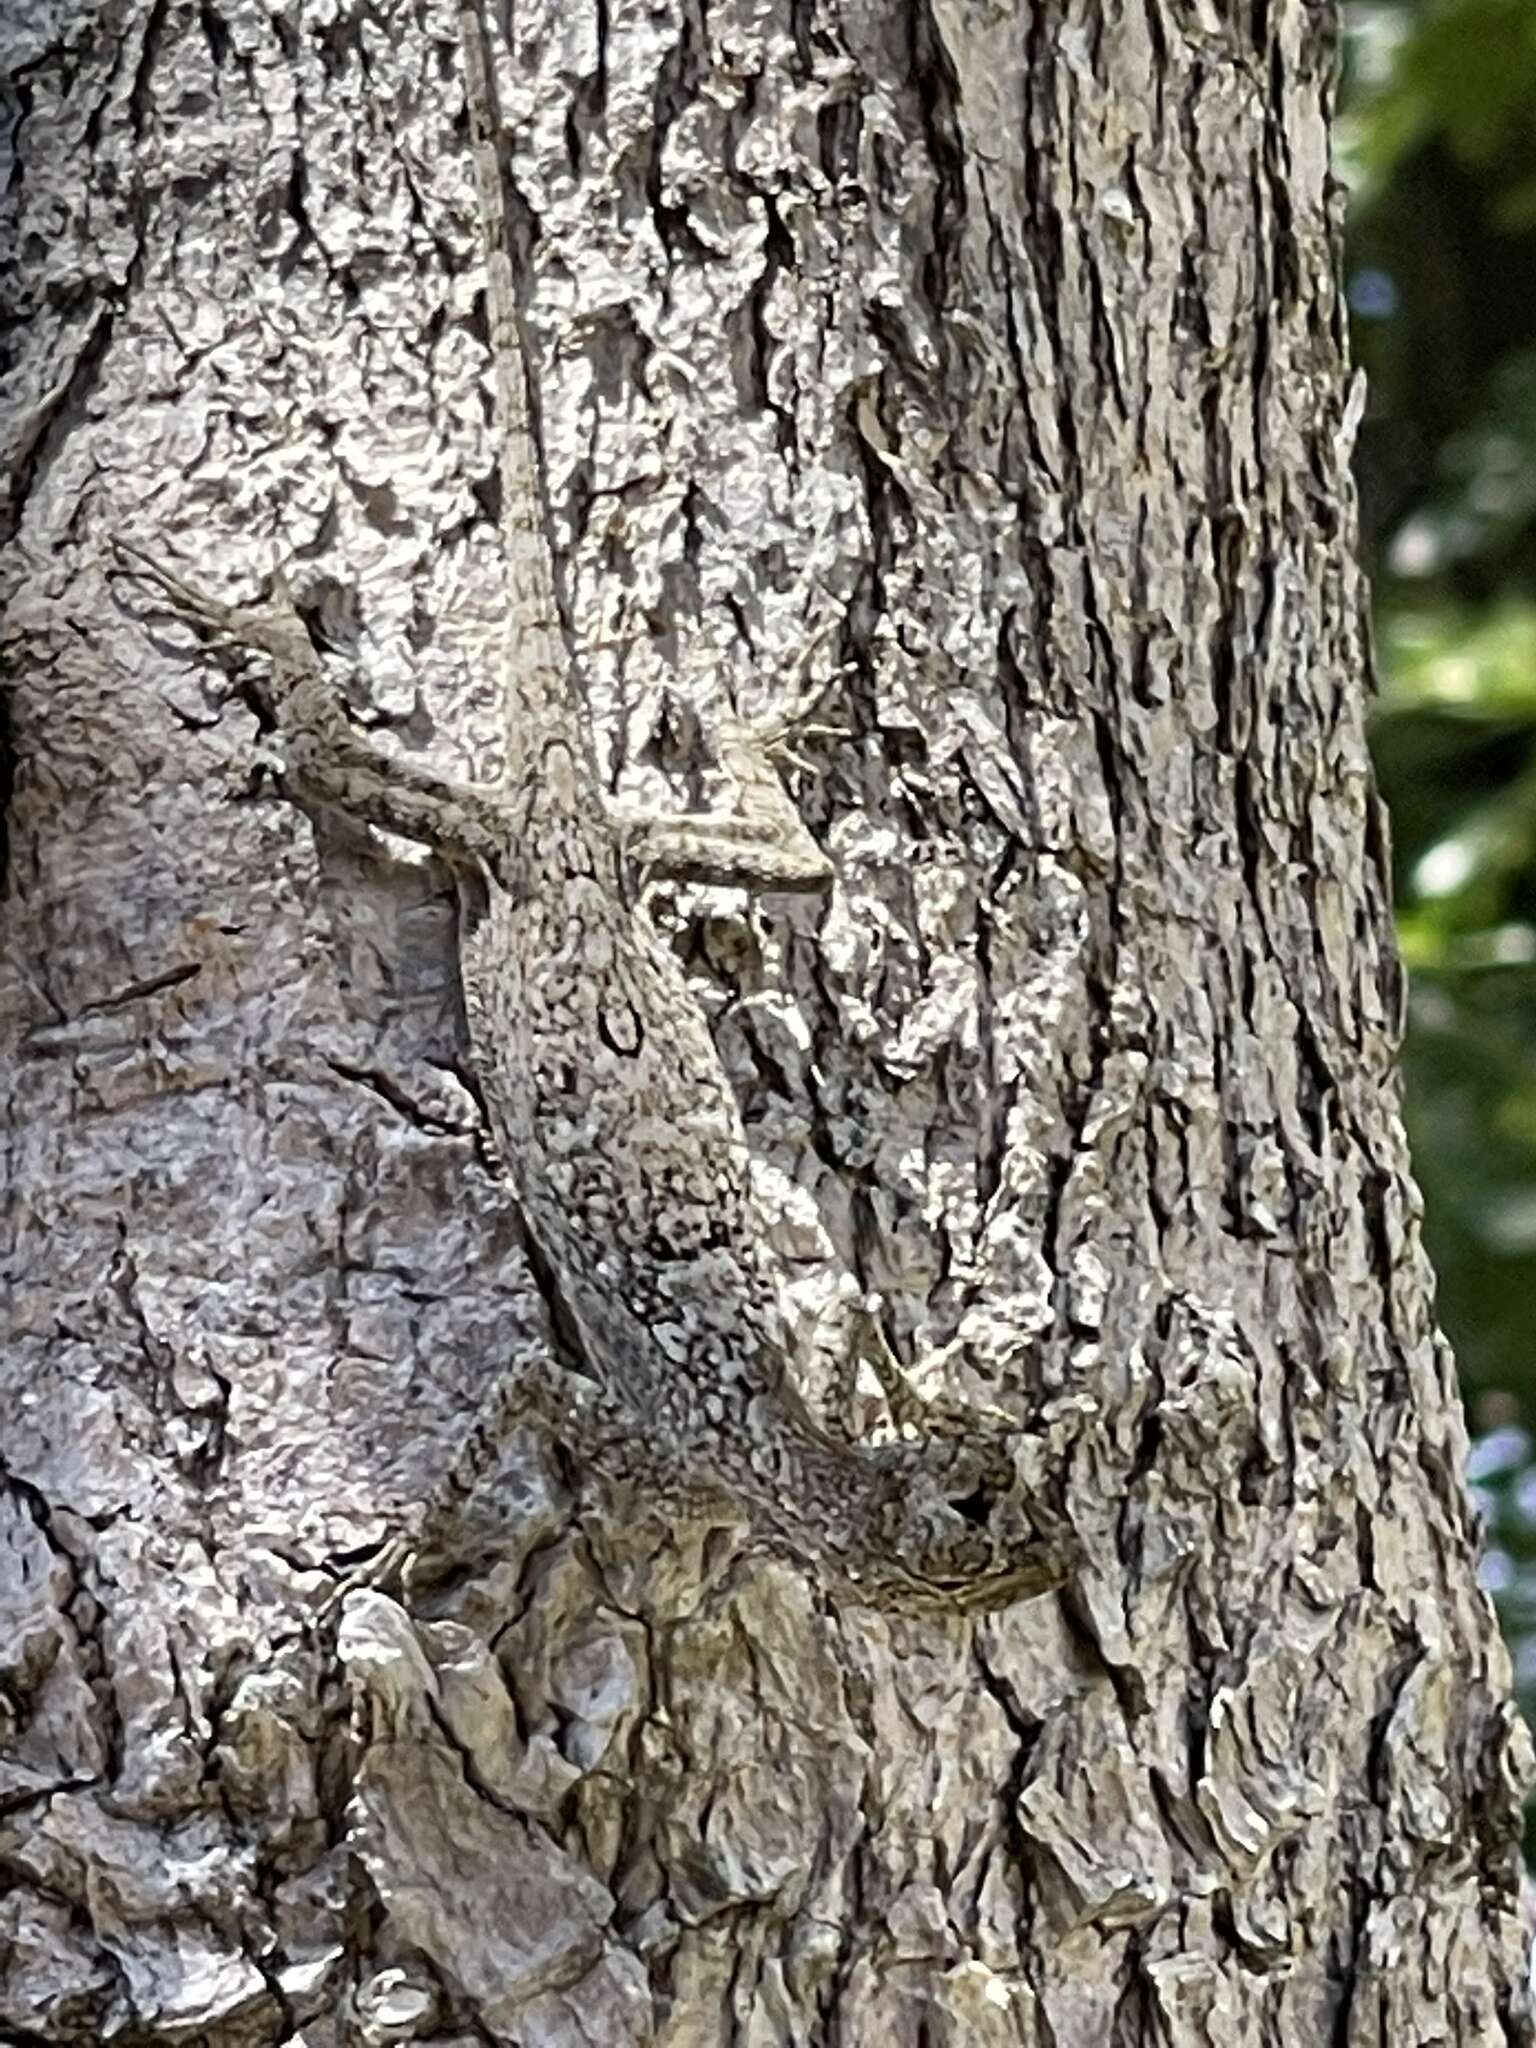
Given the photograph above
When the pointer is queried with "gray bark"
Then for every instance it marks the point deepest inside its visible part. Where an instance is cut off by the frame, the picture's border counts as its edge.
(1014, 334)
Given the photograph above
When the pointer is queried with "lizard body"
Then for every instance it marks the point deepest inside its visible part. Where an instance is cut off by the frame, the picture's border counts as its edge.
(602, 1085)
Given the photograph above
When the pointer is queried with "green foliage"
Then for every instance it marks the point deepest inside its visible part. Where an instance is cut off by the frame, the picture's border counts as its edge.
(1438, 140)
(1459, 71)
(1455, 743)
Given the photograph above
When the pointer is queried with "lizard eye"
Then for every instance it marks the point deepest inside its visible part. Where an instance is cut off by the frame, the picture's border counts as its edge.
(974, 1507)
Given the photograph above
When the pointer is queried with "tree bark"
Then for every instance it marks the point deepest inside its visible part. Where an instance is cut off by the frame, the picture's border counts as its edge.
(1012, 334)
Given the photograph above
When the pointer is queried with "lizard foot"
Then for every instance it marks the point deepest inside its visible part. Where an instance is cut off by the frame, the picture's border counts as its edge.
(273, 628)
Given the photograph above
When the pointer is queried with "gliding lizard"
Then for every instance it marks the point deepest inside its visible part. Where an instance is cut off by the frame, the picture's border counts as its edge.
(604, 1092)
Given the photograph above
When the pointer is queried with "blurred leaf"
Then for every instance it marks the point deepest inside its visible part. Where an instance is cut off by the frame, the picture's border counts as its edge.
(1516, 211)
(1488, 498)
(1474, 61)
(1473, 662)
(1462, 69)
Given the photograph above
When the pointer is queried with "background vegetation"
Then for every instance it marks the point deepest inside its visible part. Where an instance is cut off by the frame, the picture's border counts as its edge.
(1439, 146)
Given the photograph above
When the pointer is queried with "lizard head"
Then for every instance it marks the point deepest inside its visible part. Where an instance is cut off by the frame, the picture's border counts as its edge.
(956, 1530)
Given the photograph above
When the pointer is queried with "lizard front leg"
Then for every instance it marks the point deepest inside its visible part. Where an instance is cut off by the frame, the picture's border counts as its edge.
(327, 761)
(761, 841)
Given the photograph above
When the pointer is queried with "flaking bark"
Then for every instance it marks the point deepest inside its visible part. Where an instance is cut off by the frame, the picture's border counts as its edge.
(1013, 335)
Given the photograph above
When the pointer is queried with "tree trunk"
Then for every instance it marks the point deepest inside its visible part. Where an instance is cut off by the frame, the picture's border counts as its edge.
(1007, 341)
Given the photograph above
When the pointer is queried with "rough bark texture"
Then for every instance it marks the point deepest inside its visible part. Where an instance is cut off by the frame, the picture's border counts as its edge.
(1015, 332)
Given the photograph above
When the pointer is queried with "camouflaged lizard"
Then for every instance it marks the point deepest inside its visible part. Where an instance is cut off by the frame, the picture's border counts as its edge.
(601, 1083)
